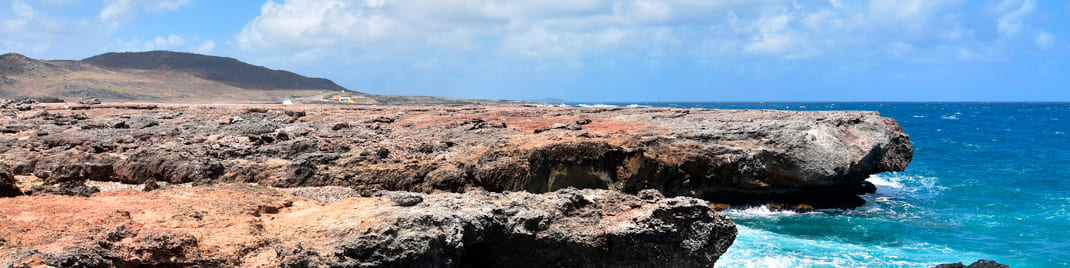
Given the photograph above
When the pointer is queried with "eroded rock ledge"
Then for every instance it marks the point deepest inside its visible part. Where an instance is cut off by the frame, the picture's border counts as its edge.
(725, 156)
(254, 226)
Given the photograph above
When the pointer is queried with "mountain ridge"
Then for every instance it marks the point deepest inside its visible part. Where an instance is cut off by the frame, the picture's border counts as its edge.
(224, 69)
(155, 76)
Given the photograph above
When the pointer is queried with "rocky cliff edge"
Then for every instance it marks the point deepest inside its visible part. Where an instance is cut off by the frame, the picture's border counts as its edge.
(254, 226)
(726, 156)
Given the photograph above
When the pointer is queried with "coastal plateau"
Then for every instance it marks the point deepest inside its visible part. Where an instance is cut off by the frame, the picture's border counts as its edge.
(444, 185)
(726, 156)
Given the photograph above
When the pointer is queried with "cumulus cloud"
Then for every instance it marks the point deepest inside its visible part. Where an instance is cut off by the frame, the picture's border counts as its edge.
(171, 42)
(115, 9)
(1011, 22)
(770, 34)
(1044, 40)
(206, 47)
(29, 31)
(116, 12)
(29, 28)
(22, 9)
(525, 28)
(571, 29)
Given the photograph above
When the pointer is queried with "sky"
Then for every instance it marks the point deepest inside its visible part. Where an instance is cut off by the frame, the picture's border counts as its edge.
(594, 50)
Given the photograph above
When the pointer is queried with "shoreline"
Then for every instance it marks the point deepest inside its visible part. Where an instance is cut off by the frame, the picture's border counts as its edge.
(799, 159)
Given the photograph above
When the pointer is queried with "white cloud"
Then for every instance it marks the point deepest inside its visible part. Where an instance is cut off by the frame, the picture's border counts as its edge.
(966, 54)
(771, 35)
(836, 3)
(22, 9)
(59, 2)
(573, 29)
(160, 42)
(171, 42)
(525, 28)
(164, 5)
(116, 12)
(1044, 40)
(899, 49)
(1011, 22)
(27, 30)
(204, 48)
(116, 9)
(37, 33)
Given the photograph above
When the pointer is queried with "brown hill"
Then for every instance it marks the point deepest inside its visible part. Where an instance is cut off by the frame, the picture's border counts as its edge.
(225, 70)
(157, 76)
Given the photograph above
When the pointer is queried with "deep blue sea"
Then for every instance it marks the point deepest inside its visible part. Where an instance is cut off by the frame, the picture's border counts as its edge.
(988, 181)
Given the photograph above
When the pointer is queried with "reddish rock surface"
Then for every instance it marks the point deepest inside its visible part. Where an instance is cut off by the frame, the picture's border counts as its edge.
(253, 226)
(463, 182)
(727, 156)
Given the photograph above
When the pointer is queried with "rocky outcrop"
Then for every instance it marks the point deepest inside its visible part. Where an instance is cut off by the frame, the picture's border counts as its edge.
(726, 156)
(977, 264)
(8, 186)
(253, 226)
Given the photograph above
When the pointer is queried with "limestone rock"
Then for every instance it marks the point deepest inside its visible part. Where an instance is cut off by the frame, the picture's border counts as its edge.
(726, 156)
(977, 264)
(250, 226)
(8, 185)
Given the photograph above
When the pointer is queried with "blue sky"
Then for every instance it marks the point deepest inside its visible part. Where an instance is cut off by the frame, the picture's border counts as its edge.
(594, 50)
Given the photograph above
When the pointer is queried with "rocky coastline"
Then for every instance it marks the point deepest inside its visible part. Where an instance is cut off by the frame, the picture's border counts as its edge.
(439, 185)
(254, 226)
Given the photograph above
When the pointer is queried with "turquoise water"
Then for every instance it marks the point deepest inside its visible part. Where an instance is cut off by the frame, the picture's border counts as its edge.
(988, 180)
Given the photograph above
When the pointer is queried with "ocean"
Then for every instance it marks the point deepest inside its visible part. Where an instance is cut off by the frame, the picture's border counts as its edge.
(988, 181)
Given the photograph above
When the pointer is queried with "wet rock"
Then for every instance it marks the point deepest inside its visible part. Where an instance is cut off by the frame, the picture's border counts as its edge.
(798, 208)
(977, 264)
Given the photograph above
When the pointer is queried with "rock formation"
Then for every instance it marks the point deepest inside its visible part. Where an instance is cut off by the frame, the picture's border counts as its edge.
(427, 185)
(254, 226)
(725, 156)
(977, 264)
(8, 185)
